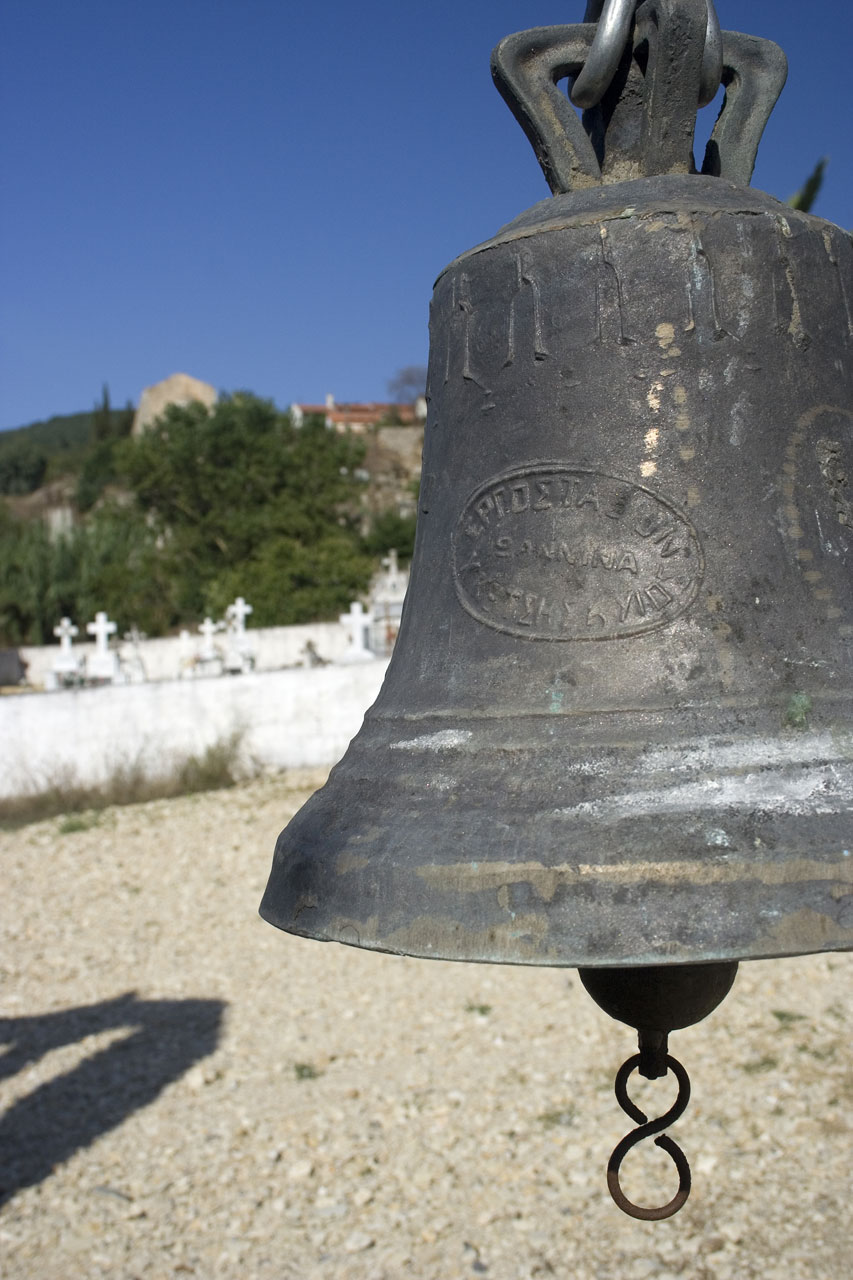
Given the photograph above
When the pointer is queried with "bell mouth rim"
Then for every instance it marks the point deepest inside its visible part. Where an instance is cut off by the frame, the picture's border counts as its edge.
(746, 853)
(350, 936)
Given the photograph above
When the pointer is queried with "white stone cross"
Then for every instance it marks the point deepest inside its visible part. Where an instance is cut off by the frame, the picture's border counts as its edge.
(101, 629)
(239, 655)
(208, 630)
(66, 630)
(390, 586)
(66, 664)
(356, 620)
(102, 665)
(237, 613)
(389, 562)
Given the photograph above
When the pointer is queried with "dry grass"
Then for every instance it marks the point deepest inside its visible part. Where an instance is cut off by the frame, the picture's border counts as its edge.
(219, 765)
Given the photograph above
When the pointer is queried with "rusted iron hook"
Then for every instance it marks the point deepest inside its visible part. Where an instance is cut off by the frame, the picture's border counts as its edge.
(646, 1128)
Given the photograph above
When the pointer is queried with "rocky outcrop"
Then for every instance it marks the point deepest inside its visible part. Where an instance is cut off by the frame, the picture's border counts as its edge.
(392, 463)
(180, 389)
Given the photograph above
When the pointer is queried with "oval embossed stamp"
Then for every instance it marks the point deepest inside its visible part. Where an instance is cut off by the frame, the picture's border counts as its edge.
(557, 552)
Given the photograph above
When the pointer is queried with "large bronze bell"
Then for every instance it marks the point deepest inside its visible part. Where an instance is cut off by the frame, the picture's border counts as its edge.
(616, 729)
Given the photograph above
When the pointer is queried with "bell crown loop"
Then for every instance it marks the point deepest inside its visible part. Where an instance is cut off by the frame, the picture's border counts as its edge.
(639, 71)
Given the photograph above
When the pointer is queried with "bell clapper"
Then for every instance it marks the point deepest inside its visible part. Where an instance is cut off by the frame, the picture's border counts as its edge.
(656, 999)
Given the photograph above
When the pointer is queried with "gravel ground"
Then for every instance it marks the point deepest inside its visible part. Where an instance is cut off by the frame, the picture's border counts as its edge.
(188, 1092)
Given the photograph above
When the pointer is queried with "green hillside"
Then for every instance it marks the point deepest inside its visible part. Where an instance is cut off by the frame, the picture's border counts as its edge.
(59, 434)
(34, 455)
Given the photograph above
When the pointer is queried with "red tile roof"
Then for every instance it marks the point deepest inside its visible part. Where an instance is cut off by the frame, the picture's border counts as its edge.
(366, 414)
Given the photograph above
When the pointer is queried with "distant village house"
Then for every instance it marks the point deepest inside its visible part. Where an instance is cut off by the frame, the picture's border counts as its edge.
(361, 417)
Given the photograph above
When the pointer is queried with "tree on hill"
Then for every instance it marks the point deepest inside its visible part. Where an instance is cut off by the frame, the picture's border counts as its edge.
(390, 529)
(408, 383)
(100, 467)
(243, 502)
(25, 580)
(77, 444)
(22, 468)
(110, 562)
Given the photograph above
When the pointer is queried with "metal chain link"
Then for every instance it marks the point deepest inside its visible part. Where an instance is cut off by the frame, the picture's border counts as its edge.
(614, 20)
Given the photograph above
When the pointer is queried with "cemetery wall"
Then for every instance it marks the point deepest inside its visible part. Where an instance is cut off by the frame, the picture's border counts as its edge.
(286, 719)
(274, 647)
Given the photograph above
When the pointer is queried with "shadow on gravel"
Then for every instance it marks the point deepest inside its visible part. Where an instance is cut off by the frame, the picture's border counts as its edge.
(165, 1038)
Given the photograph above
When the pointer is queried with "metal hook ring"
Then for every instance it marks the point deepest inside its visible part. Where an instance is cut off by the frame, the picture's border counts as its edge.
(712, 58)
(613, 20)
(646, 1128)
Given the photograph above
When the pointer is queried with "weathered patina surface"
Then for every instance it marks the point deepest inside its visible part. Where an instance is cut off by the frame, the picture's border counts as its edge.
(617, 726)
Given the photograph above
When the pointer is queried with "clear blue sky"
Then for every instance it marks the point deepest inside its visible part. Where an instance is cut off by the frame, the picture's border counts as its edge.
(261, 192)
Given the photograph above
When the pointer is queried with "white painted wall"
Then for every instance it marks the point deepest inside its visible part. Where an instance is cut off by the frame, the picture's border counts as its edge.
(289, 719)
